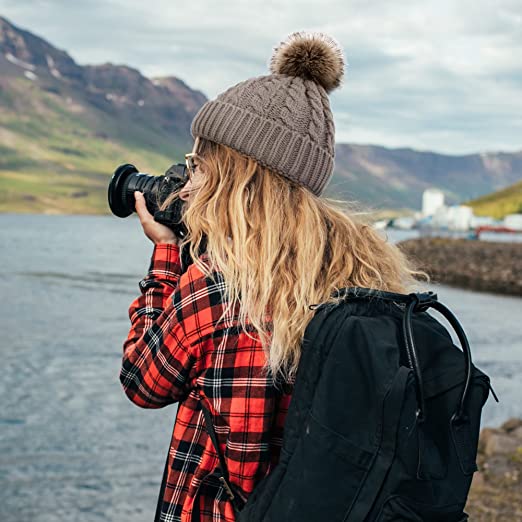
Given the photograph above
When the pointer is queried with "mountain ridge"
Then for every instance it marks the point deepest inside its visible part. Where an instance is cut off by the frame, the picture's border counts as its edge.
(64, 127)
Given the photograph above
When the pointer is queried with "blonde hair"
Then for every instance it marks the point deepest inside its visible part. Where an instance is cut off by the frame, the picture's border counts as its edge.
(280, 249)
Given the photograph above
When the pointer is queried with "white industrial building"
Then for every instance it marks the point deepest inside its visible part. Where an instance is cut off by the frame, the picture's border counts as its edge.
(432, 199)
(454, 217)
(513, 221)
(435, 215)
(481, 221)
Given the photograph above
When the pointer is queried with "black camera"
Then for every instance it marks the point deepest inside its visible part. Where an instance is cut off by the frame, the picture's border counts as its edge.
(126, 179)
(155, 189)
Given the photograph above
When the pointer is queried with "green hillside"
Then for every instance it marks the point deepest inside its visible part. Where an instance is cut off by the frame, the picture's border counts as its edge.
(57, 155)
(500, 203)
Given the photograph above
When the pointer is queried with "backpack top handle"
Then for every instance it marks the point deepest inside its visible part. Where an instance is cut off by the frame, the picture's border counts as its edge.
(418, 302)
(459, 415)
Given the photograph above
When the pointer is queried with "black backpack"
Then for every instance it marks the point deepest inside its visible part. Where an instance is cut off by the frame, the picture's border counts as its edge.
(384, 419)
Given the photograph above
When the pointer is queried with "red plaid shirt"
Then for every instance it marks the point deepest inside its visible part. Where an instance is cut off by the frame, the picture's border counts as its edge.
(176, 352)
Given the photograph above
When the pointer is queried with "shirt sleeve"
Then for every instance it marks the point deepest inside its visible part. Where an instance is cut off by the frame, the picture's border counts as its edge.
(159, 360)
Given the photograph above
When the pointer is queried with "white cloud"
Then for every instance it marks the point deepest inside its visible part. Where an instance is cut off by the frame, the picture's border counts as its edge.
(428, 74)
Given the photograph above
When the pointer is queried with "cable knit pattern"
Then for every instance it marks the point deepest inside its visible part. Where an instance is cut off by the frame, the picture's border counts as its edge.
(282, 121)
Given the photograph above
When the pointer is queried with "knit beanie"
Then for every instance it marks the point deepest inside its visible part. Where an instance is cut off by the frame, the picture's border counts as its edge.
(283, 119)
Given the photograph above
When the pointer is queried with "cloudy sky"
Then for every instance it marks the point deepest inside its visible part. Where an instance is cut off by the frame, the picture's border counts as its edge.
(441, 75)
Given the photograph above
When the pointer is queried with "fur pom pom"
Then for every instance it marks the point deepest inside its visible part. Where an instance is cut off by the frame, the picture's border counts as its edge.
(312, 56)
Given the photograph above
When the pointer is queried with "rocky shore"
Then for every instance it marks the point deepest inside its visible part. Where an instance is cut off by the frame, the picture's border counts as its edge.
(496, 491)
(476, 265)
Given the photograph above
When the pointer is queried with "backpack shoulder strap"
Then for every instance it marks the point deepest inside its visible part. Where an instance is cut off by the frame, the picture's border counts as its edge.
(237, 501)
(314, 332)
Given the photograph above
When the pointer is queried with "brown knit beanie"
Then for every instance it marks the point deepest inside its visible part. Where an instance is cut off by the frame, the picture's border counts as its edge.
(283, 119)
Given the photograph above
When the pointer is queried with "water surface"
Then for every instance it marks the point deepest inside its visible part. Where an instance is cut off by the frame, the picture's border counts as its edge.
(72, 446)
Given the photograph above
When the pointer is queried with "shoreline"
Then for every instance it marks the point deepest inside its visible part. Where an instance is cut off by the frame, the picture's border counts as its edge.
(496, 490)
(486, 266)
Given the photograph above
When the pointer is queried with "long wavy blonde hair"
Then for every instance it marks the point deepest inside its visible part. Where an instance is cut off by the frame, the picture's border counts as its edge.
(280, 248)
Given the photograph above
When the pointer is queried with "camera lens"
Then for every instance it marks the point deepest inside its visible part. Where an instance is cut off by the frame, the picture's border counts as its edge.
(127, 179)
(117, 190)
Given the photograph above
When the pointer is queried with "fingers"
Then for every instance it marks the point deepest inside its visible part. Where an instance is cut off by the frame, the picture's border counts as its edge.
(155, 231)
(141, 207)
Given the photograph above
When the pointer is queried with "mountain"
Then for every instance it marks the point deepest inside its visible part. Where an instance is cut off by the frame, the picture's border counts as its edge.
(397, 177)
(65, 127)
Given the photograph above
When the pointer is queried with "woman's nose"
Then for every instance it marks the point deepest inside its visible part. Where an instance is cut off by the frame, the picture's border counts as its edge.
(185, 191)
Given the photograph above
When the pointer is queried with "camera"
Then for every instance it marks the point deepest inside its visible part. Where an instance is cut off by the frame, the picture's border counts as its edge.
(126, 179)
(155, 189)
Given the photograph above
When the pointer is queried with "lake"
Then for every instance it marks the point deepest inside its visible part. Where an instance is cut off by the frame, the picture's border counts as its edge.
(72, 446)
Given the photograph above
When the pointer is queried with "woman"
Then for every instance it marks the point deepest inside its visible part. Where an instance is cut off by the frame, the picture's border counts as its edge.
(226, 332)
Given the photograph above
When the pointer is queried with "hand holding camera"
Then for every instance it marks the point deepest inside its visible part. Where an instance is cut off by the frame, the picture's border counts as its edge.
(155, 231)
(127, 179)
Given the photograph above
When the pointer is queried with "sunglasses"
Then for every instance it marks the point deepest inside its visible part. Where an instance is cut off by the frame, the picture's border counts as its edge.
(190, 164)
(189, 160)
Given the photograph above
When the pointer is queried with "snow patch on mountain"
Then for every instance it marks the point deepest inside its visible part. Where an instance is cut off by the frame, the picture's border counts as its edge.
(52, 66)
(20, 63)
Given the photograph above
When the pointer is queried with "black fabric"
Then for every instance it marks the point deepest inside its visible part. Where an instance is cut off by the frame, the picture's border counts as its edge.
(362, 443)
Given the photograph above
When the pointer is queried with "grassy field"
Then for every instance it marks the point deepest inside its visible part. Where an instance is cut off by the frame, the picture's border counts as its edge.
(57, 157)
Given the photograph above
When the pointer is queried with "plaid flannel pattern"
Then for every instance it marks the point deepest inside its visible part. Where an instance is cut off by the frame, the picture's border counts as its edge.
(176, 351)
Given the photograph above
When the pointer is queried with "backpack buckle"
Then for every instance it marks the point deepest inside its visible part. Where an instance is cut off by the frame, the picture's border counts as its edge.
(423, 300)
(228, 489)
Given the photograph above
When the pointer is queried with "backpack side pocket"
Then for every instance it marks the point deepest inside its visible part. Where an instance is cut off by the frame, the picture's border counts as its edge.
(402, 509)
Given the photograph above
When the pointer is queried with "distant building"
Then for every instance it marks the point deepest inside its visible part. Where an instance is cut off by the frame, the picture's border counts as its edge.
(432, 199)
(479, 221)
(513, 221)
(460, 217)
(454, 217)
